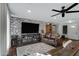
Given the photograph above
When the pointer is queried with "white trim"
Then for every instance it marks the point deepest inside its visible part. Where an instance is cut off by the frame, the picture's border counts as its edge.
(8, 31)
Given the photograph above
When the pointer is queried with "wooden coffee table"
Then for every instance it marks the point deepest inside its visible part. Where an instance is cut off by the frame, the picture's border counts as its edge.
(70, 50)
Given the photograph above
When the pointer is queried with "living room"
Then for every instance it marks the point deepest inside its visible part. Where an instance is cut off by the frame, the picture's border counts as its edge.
(35, 31)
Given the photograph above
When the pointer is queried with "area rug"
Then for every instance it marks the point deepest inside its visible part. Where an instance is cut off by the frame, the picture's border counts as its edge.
(34, 48)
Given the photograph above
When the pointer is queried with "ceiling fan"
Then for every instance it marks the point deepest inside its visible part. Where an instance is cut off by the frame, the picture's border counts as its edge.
(63, 10)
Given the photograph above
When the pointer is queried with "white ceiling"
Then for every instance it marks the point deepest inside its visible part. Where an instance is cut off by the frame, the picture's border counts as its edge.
(42, 11)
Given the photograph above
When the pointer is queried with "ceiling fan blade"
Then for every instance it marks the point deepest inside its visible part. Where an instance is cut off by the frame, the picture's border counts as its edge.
(56, 10)
(63, 14)
(71, 6)
(55, 15)
(72, 11)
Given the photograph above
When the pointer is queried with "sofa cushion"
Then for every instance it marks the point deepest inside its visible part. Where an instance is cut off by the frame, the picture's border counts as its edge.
(31, 38)
(49, 41)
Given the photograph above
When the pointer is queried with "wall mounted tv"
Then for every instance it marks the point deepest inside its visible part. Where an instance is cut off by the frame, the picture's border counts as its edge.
(30, 27)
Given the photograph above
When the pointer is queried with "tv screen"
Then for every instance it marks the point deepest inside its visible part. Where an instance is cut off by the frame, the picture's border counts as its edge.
(30, 27)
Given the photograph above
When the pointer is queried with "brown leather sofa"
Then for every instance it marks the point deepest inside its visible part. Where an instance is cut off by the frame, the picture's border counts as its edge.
(52, 40)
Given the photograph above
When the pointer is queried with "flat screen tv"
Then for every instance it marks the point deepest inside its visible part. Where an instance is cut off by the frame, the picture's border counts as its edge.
(30, 27)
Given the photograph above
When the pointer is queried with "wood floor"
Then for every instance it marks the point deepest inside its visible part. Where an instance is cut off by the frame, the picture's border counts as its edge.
(13, 51)
(70, 50)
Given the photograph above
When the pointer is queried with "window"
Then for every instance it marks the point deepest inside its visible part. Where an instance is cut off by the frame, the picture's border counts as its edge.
(64, 29)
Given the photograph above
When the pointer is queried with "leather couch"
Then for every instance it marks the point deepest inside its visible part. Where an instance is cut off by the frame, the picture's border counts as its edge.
(30, 38)
(52, 39)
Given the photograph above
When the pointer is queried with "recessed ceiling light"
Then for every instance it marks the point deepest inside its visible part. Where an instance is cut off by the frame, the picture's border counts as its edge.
(73, 26)
(29, 11)
(70, 21)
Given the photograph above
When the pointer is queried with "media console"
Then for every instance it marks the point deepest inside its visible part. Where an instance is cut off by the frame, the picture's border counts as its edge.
(25, 39)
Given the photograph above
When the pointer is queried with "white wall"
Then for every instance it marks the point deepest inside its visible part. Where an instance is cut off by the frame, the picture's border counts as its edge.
(60, 29)
(73, 30)
(78, 30)
(3, 28)
(0, 29)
